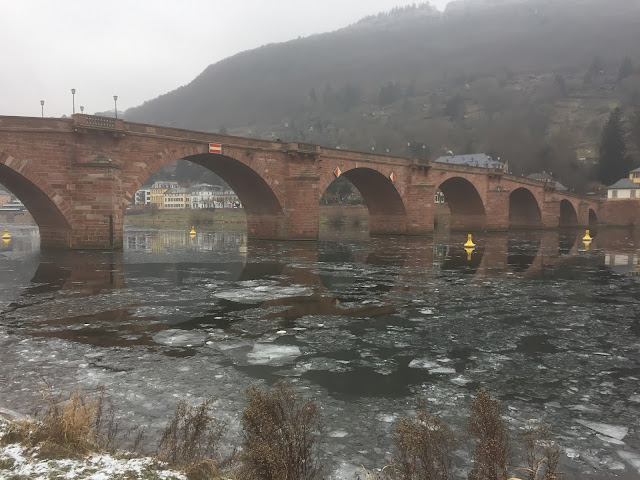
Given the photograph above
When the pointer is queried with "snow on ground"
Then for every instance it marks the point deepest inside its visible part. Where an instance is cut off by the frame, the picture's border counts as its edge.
(17, 461)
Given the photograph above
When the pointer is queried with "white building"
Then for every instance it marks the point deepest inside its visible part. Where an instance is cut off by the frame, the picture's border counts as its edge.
(213, 196)
(623, 189)
(142, 197)
(203, 195)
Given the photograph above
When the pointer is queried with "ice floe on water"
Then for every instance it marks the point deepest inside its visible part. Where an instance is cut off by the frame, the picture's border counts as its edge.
(250, 292)
(180, 338)
(268, 353)
(423, 363)
(433, 367)
(631, 458)
(613, 431)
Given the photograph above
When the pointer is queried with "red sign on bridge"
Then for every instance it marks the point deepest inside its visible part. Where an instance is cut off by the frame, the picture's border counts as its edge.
(215, 148)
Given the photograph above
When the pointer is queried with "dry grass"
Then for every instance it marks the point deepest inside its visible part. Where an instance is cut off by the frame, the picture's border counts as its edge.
(490, 431)
(191, 441)
(281, 435)
(424, 447)
(67, 428)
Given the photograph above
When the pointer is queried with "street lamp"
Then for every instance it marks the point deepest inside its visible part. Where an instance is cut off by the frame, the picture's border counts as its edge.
(82, 109)
(115, 103)
(73, 96)
(42, 107)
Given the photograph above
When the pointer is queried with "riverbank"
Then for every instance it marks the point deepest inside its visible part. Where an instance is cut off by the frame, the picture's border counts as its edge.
(234, 219)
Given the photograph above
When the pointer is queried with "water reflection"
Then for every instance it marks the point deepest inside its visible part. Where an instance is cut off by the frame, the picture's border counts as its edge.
(364, 326)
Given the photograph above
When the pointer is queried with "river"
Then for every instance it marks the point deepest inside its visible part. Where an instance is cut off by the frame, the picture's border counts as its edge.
(362, 326)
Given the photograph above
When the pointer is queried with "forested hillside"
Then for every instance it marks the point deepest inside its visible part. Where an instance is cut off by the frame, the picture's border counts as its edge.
(531, 82)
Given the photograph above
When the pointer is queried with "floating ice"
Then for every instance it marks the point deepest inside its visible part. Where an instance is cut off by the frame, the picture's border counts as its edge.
(634, 398)
(584, 408)
(386, 417)
(630, 457)
(610, 440)
(442, 370)
(180, 338)
(422, 363)
(426, 311)
(612, 431)
(338, 434)
(263, 354)
(263, 293)
(460, 380)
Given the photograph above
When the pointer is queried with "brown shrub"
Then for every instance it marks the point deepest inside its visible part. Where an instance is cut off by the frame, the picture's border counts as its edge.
(191, 436)
(424, 446)
(492, 450)
(281, 433)
(67, 428)
(540, 453)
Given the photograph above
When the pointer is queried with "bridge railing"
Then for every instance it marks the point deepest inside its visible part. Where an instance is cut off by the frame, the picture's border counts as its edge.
(95, 122)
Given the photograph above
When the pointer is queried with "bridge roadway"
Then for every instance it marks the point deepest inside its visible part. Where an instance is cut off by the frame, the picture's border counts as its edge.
(77, 176)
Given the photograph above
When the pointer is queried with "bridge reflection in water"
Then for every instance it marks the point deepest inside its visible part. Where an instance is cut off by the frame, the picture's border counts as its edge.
(335, 278)
(351, 321)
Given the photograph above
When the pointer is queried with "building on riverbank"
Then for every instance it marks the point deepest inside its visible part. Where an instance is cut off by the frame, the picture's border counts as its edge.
(172, 196)
(626, 188)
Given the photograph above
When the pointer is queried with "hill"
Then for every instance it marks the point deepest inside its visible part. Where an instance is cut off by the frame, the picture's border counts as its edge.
(531, 82)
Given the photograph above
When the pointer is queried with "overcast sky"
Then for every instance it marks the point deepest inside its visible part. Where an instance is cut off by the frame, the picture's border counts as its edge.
(141, 49)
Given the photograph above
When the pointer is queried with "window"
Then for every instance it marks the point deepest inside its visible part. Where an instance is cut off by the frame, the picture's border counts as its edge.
(633, 194)
(614, 194)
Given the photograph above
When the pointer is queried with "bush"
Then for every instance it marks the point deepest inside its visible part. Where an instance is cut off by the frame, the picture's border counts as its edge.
(281, 433)
(424, 446)
(67, 428)
(540, 453)
(191, 439)
(492, 450)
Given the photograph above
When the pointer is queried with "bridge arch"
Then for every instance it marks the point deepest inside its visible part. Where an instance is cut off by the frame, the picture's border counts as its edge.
(523, 208)
(261, 198)
(465, 203)
(47, 207)
(387, 212)
(568, 214)
(593, 218)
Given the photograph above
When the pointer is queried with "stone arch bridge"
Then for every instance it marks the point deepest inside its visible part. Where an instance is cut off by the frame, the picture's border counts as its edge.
(77, 176)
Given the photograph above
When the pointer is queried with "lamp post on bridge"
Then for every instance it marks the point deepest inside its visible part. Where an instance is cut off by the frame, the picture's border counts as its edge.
(42, 108)
(115, 103)
(82, 109)
(73, 96)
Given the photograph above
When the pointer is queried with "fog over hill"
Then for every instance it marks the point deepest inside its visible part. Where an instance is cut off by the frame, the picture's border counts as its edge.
(529, 81)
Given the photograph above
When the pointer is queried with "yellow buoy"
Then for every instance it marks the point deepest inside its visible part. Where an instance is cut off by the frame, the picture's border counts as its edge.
(469, 243)
(193, 231)
(6, 235)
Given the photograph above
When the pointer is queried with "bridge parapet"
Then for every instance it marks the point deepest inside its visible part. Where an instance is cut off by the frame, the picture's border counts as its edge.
(84, 123)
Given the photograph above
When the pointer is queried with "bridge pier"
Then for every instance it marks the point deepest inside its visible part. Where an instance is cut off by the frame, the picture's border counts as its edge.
(52, 236)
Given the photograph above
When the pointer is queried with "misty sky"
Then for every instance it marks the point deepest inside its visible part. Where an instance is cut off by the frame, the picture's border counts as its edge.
(139, 49)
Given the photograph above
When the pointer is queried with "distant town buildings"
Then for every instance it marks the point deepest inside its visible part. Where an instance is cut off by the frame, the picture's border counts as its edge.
(548, 178)
(9, 203)
(171, 196)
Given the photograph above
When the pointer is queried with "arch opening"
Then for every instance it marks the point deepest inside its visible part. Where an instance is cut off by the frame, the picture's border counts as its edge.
(54, 228)
(214, 188)
(364, 187)
(464, 204)
(593, 218)
(523, 209)
(568, 215)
